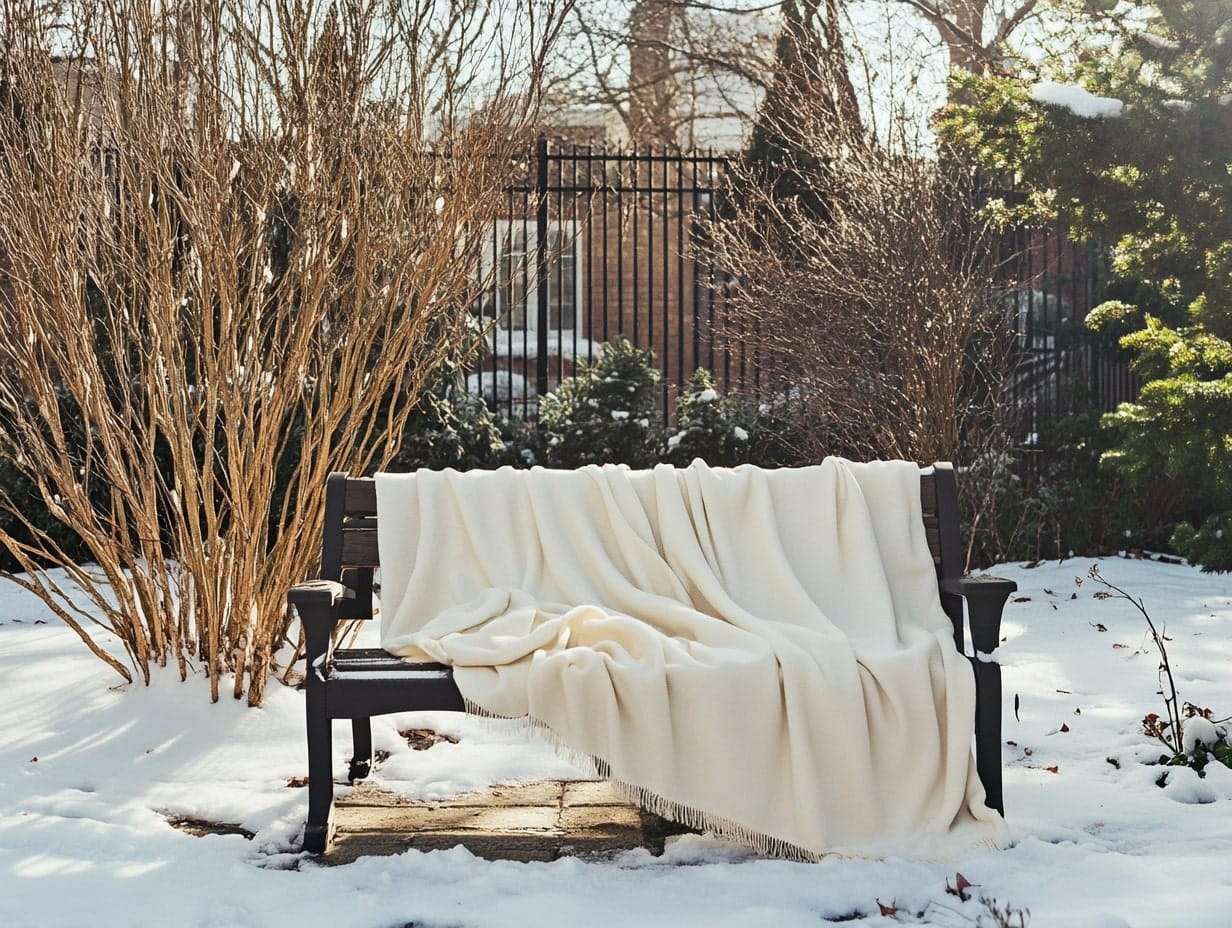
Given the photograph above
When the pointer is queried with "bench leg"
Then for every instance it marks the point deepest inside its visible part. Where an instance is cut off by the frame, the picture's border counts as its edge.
(988, 731)
(361, 757)
(318, 830)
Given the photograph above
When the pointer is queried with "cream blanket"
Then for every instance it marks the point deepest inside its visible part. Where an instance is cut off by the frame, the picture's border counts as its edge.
(762, 653)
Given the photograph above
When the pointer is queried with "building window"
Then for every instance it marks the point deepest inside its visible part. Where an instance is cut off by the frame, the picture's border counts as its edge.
(509, 265)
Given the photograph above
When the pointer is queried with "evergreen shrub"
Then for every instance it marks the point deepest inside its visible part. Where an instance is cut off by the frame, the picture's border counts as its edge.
(721, 430)
(607, 413)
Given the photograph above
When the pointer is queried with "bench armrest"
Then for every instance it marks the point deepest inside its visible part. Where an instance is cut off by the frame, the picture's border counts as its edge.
(985, 598)
(312, 592)
(317, 602)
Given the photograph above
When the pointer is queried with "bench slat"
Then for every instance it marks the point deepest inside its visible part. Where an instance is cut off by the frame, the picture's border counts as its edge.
(933, 532)
(928, 494)
(364, 696)
(348, 659)
(359, 548)
(361, 497)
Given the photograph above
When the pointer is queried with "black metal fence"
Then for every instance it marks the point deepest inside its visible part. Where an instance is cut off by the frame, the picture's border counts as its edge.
(593, 244)
(1062, 367)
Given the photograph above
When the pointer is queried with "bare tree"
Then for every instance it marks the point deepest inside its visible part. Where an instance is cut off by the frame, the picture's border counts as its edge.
(975, 33)
(237, 240)
(662, 65)
(866, 288)
(667, 65)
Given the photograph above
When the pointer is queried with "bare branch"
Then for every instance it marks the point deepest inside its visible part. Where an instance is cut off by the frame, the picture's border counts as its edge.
(863, 281)
(230, 273)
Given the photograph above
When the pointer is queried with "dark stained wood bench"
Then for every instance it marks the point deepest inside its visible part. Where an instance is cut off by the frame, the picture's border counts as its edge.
(358, 683)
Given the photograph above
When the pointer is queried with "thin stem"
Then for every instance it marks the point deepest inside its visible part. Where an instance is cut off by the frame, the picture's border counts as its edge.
(1171, 701)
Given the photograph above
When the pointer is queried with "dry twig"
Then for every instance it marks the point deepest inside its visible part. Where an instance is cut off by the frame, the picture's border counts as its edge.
(235, 244)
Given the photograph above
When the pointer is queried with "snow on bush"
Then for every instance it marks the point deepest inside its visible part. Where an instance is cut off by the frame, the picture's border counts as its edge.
(1077, 100)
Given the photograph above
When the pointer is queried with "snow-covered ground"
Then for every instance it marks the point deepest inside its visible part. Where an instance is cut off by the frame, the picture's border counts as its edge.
(91, 772)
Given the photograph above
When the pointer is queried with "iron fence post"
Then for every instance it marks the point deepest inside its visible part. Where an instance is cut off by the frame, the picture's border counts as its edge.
(541, 267)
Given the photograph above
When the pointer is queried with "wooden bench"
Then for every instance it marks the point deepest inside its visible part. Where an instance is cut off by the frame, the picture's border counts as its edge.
(358, 683)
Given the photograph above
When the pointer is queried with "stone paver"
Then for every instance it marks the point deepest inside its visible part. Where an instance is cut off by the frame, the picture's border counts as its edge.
(528, 822)
(591, 793)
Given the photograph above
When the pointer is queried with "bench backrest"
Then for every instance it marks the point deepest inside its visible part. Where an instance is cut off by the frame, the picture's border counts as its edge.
(349, 548)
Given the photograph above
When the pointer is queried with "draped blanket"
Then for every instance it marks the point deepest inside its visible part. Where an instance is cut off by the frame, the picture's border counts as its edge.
(762, 653)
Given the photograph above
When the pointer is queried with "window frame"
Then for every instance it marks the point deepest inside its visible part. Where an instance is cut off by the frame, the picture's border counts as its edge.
(511, 274)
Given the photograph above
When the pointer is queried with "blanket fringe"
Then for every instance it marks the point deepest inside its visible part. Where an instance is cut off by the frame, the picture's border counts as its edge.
(691, 817)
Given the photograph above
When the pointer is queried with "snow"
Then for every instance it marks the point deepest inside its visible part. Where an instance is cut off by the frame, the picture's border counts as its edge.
(1077, 100)
(1202, 730)
(498, 386)
(90, 772)
(1160, 42)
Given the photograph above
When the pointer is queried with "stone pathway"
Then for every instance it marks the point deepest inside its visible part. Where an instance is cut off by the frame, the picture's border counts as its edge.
(532, 821)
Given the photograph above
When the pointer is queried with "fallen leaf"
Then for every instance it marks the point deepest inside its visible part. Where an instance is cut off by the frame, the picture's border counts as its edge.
(1053, 769)
(1119, 645)
(1073, 595)
(1077, 712)
(1049, 592)
(890, 909)
(420, 739)
(297, 782)
(1027, 751)
(960, 887)
(1064, 727)
(1016, 718)
(1022, 599)
(1012, 744)
(1102, 594)
(1099, 626)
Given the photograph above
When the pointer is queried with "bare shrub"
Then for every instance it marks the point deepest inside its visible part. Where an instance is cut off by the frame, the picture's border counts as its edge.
(237, 240)
(863, 281)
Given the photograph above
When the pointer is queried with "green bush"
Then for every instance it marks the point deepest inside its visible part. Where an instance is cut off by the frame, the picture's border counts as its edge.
(1208, 545)
(1179, 428)
(721, 430)
(1153, 184)
(607, 413)
(451, 429)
